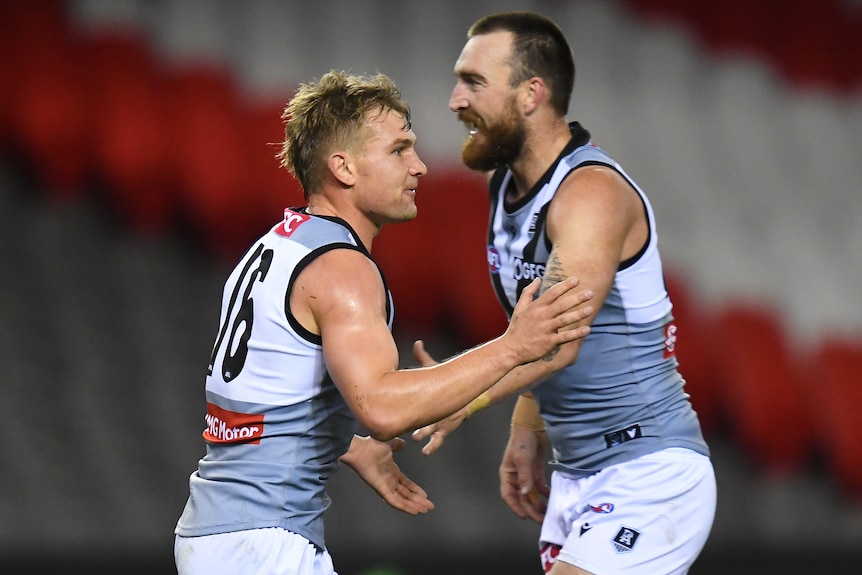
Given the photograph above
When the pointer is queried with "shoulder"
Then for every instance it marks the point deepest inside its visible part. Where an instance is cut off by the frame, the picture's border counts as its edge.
(342, 266)
(594, 184)
(338, 285)
(594, 203)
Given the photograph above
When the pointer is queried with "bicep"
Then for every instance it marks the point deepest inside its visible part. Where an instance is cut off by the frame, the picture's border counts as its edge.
(588, 224)
(347, 299)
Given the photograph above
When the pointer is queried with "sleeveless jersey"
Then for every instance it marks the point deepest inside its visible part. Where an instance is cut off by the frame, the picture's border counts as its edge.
(623, 397)
(275, 424)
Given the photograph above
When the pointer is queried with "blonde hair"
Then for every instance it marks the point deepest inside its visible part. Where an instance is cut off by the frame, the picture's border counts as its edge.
(329, 114)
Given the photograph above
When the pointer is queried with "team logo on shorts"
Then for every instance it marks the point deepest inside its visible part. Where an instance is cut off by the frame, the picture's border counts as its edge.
(601, 507)
(625, 539)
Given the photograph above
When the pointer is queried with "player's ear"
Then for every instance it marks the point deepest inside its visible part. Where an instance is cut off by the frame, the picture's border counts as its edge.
(342, 168)
(533, 92)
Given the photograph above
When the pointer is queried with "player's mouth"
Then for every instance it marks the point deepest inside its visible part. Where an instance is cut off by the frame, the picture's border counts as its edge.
(472, 123)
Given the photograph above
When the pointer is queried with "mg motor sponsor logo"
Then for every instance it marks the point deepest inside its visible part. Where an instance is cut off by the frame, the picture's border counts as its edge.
(224, 426)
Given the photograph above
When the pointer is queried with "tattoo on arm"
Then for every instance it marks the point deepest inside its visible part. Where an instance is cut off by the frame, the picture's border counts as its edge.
(554, 274)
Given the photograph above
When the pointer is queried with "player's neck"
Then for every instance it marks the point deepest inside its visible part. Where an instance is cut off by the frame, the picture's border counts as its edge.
(541, 149)
(365, 229)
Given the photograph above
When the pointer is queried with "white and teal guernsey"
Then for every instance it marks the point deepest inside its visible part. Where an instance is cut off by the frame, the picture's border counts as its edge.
(623, 397)
(275, 424)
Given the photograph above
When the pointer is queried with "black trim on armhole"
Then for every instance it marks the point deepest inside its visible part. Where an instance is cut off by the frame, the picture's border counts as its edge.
(303, 263)
(390, 310)
(625, 264)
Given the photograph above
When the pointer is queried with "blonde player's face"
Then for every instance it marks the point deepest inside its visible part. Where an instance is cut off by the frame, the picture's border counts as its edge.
(388, 169)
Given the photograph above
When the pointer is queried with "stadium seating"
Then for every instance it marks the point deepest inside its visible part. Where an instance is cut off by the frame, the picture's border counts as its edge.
(760, 387)
(102, 119)
(693, 352)
(834, 392)
(132, 160)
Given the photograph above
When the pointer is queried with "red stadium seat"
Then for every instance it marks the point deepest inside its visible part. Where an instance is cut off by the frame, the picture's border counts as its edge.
(471, 307)
(132, 156)
(674, 10)
(806, 44)
(22, 27)
(692, 351)
(436, 265)
(761, 391)
(835, 389)
(408, 255)
(47, 102)
(738, 27)
(205, 119)
(814, 45)
(272, 187)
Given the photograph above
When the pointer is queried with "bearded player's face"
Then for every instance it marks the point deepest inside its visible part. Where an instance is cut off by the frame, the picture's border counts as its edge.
(493, 142)
(485, 102)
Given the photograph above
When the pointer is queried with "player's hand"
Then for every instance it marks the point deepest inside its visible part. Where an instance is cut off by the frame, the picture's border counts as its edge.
(435, 431)
(373, 462)
(540, 325)
(522, 479)
(422, 356)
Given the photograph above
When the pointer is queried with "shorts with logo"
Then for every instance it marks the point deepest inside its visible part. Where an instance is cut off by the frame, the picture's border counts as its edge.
(268, 551)
(649, 515)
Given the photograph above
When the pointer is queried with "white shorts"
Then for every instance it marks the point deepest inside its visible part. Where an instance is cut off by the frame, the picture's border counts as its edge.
(270, 551)
(649, 515)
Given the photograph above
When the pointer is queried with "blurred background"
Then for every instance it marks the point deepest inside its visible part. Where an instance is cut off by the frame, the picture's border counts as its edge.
(137, 163)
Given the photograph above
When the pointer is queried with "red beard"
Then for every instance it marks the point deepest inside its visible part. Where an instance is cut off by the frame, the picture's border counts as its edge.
(492, 146)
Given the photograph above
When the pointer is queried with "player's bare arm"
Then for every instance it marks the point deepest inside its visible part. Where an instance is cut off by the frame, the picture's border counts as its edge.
(595, 221)
(340, 295)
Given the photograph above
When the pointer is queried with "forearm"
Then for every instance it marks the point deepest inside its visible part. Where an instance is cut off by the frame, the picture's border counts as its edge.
(524, 377)
(410, 399)
(390, 401)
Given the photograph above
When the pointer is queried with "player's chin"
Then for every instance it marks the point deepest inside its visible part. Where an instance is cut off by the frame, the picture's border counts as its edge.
(410, 211)
(399, 218)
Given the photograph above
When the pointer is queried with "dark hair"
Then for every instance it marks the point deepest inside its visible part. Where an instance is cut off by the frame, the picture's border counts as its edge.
(538, 49)
(329, 114)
